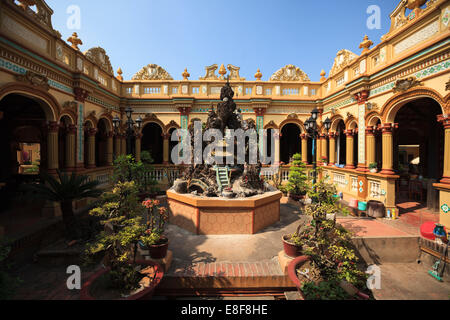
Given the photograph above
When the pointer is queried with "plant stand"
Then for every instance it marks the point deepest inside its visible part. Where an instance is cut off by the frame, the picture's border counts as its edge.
(166, 262)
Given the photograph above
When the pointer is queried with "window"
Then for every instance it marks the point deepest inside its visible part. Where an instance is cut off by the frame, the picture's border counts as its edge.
(195, 90)
(356, 71)
(290, 92)
(248, 91)
(174, 90)
(102, 80)
(268, 92)
(340, 81)
(129, 90)
(376, 60)
(313, 92)
(152, 90)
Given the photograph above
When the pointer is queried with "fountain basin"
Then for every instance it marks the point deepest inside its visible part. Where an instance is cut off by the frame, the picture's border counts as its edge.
(220, 216)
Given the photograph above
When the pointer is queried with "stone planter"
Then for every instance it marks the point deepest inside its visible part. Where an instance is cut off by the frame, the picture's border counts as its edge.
(373, 170)
(149, 283)
(290, 249)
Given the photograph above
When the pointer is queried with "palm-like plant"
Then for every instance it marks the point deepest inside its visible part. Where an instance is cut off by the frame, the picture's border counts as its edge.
(64, 189)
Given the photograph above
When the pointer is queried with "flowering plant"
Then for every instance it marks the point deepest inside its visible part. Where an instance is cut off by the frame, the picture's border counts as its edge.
(156, 219)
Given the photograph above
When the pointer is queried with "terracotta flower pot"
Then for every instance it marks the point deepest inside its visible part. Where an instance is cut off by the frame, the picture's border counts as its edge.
(159, 251)
(144, 294)
(291, 250)
(292, 272)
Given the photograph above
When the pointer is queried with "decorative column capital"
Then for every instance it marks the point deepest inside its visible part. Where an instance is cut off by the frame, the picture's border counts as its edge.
(332, 135)
(388, 128)
(53, 126)
(362, 96)
(260, 112)
(349, 133)
(71, 129)
(304, 136)
(80, 94)
(139, 135)
(370, 131)
(445, 120)
(91, 132)
(184, 111)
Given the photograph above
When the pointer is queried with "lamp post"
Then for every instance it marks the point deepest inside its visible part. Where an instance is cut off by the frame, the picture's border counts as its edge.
(131, 128)
(313, 132)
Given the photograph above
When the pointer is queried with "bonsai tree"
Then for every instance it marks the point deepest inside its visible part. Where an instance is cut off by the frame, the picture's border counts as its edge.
(121, 214)
(298, 179)
(126, 169)
(65, 190)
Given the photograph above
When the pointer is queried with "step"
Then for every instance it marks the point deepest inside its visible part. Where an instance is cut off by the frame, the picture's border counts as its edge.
(236, 276)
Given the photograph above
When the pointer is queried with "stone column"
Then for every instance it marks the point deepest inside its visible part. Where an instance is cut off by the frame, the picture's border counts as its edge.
(109, 148)
(123, 144)
(277, 138)
(91, 148)
(324, 149)
(370, 147)
(319, 150)
(446, 175)
(117, 145)
(138, 146)
(304, 148)
(166, 144)
(332, 155)
(52, 147)
(388, 149)
(70, 147)
(349, 143)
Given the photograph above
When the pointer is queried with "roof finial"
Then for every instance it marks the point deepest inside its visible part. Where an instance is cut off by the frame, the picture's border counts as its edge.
(366, 44)
(323, 74)
(75, 41)
(185, 74)
(258, 75)
(119, 74)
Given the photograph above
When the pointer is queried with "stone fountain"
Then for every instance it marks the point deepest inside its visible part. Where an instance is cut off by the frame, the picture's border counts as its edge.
(217, 198)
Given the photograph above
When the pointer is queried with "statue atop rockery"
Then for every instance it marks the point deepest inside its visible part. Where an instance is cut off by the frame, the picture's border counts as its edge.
(219, 178)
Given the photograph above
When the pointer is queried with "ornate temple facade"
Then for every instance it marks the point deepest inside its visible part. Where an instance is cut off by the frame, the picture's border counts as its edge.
(389, 105)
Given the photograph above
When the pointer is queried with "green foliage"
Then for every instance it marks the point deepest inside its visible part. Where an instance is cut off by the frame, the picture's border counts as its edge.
(328, 244)
(121, 214)
(326, 290)
(156, 219)
(65, 189)
(373, 165)
(127, 169)
(8, 283)
(298, 179)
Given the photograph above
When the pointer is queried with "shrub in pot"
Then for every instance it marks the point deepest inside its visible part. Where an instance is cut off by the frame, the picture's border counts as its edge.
(153, 239)
(121, 214)
(297, 185)
(373, 167)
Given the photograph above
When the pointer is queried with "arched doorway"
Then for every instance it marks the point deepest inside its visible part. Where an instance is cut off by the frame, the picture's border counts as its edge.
(23, 148)
(341, 143)
(172, 144)
(152, 141)
(290, 142)
(101, 140)
(418, 150)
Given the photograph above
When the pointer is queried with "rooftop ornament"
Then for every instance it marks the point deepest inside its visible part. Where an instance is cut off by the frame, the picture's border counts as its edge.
(185, 74)
(258, 75)
(366, 44)
(119, 74)
(323, 74)
(24, 4)
(75, 41)
(222, 72)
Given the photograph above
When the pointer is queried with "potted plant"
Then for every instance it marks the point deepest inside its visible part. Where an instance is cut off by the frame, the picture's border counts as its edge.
(328, 248)
(297, 185)
(65, 189)
(123, 276)
(153, 239)
(324, 161)
(373, 167)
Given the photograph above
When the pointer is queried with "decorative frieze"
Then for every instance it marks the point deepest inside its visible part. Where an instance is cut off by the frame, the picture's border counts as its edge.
(416, 38)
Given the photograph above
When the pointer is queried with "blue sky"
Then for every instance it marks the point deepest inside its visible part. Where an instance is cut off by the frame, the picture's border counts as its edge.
(250, 34)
